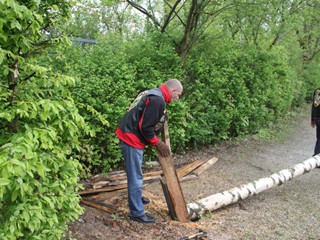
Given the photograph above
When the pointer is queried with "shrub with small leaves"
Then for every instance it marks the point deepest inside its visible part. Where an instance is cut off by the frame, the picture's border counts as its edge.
(39, 127)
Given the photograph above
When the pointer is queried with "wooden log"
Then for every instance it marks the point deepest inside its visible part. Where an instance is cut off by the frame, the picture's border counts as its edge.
(225, 198)
(205, 166)
(172, 181)
(103, 206)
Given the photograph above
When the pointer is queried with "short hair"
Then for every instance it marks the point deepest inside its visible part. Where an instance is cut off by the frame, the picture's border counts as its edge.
(173, 83)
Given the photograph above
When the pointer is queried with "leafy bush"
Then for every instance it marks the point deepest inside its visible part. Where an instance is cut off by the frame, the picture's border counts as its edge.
(38, 184)
(236, 92)
(110, 75)
(228, 92)
(39, 127)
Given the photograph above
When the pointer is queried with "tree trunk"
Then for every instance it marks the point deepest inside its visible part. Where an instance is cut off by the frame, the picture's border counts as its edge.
(225, 198)
(184, 46)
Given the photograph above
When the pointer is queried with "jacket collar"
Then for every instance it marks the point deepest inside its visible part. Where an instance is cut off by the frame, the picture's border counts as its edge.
(166, 94)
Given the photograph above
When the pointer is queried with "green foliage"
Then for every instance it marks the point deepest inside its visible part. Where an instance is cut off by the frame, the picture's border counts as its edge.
(110, 75)
(39, 179)
(95, 17)
(39, 127)
(38, 191)
(244, 69)
(236, 92)
(100, 90)
(242, 74)
(310, 80)
(229, 91)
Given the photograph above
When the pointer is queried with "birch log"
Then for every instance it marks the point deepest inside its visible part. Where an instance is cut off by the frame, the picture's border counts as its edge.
(218, 200)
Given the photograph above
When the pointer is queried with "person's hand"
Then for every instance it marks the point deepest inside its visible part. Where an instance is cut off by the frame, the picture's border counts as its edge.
(163, 149)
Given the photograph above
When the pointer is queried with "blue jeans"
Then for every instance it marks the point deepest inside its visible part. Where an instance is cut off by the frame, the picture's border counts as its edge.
(133, 160)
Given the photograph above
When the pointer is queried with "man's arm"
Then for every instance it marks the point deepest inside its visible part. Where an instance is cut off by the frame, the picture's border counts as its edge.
(152, 114)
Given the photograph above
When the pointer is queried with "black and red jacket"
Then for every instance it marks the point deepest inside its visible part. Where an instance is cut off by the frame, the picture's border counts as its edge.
(145, 118)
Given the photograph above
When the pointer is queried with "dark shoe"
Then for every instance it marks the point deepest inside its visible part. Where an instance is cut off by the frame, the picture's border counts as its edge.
(143, 219)
(145, 200)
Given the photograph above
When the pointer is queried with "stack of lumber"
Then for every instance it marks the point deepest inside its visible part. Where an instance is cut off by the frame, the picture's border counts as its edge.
(104, 187)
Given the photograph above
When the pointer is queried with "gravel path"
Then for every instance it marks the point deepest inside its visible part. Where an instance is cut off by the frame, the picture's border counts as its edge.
(287, 212)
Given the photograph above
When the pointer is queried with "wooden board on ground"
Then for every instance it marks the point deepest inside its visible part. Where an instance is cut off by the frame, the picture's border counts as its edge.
(124, 176)
(105, 195)
(205, 166)
(103, 206)
(189, 168)
(117, 180)
(105, 189)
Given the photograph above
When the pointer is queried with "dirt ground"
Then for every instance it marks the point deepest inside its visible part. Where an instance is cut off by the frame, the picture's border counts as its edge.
(289, 212)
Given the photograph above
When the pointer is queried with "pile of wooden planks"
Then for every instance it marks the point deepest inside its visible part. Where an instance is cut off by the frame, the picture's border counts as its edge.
(115, 183)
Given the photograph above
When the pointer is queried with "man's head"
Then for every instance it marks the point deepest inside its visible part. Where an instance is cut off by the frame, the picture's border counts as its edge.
(175, 88)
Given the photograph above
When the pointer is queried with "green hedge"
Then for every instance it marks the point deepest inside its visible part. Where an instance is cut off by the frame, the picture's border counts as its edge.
(229, 91)
(38, 176)
(109, 76)
(236, 92)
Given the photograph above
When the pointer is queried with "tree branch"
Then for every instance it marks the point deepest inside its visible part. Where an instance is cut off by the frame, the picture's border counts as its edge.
(173, 10)
(145, 12)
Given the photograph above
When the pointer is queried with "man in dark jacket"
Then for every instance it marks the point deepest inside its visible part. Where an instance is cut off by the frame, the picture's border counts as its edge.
(315, 118)
(140, 126)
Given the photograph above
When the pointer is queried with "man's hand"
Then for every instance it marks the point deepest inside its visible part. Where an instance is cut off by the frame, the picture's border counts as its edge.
(163, 149)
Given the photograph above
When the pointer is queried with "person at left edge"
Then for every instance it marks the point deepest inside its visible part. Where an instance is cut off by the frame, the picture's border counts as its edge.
(140, 126)
(315, 119)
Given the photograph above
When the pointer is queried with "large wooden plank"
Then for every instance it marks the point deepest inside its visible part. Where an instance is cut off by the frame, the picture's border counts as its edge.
(172, 181)
(168, 199)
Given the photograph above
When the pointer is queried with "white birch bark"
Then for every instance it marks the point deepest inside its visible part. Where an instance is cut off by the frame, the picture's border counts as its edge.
(218, 200)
